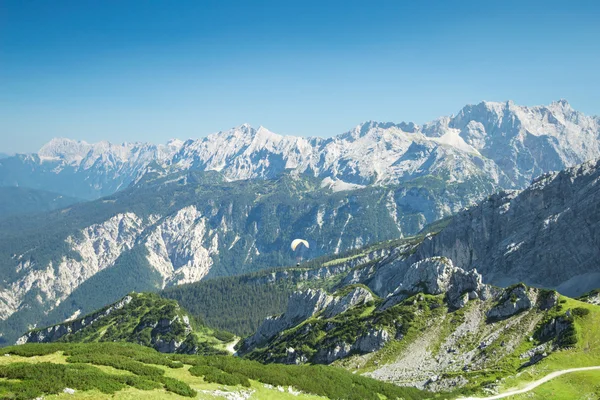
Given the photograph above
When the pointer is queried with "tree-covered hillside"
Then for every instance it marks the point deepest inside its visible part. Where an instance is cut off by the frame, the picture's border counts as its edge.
(19, 201)
(141, 318)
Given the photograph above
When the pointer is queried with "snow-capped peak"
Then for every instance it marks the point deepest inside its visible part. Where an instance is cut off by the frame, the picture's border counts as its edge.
(63, 149)
(508, 143)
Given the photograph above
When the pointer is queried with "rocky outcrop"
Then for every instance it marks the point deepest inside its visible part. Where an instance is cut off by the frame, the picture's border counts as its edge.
(56, 332)
(301, 306)
(304, 305)
(372, 340)
(592, 297)
(338, 305)
(548, 299)
(553, 329)
(512, 301)
(437, 275)
(181, 247)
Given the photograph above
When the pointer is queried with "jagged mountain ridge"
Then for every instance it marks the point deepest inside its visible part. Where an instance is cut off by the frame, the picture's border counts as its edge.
(503, 143)
(547, 235)
(82, 170)
(141, 318)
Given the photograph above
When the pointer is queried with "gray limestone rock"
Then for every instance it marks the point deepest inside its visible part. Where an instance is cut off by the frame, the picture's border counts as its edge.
(548, 235)
(438, 275)
(301, 305)
(339, 305)
(513, 300)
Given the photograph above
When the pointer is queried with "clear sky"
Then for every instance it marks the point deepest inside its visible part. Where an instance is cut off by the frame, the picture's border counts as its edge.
(126, 70)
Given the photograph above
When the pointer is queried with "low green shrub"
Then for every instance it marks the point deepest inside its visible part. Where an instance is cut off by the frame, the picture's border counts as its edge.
(580, 311)
(215, 375)
(118, 362)
(178, 387)
(224, 336)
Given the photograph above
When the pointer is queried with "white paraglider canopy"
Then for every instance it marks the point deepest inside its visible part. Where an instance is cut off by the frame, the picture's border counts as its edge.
(297, 242)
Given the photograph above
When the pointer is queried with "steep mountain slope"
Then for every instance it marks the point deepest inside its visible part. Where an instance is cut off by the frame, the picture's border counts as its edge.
(502, 143)
(548, 235)
(166, 231)
(239, 304)
(442, 329)
(18, 200)
(145, 319)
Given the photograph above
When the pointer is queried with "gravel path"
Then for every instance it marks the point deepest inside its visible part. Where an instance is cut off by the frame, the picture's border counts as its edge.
(532, 385)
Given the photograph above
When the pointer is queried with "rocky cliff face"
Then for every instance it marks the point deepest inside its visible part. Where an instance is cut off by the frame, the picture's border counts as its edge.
(181, 247)
(437, 275)
(547, 235)
(301, 306)
(89, 251)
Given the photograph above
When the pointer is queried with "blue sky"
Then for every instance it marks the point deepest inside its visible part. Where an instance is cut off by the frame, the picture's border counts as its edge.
(152, 70)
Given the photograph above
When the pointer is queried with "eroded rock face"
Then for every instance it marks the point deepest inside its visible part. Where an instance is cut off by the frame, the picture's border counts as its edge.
(546, 236)
(301, 305)
(553, 329)
(339, 305)
(513, 301)
(437, 275)
(369, 342)
(372, 341)
(549, 300)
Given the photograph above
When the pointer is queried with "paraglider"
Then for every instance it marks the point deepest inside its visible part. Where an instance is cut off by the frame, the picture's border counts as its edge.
(297, 242)
(299, 247)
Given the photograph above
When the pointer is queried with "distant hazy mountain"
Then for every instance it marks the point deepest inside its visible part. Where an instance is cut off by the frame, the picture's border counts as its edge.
(17, 200)
(4, 155)
(506, 143)
(80, 169)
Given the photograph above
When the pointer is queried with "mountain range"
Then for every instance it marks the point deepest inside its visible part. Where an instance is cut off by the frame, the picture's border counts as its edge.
(501, 143)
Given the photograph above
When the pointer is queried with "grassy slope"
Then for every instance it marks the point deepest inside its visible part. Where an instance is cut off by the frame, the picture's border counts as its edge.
(505, 370)
(576, 386)
(181, 374)
(106, 366)
(586, 353)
